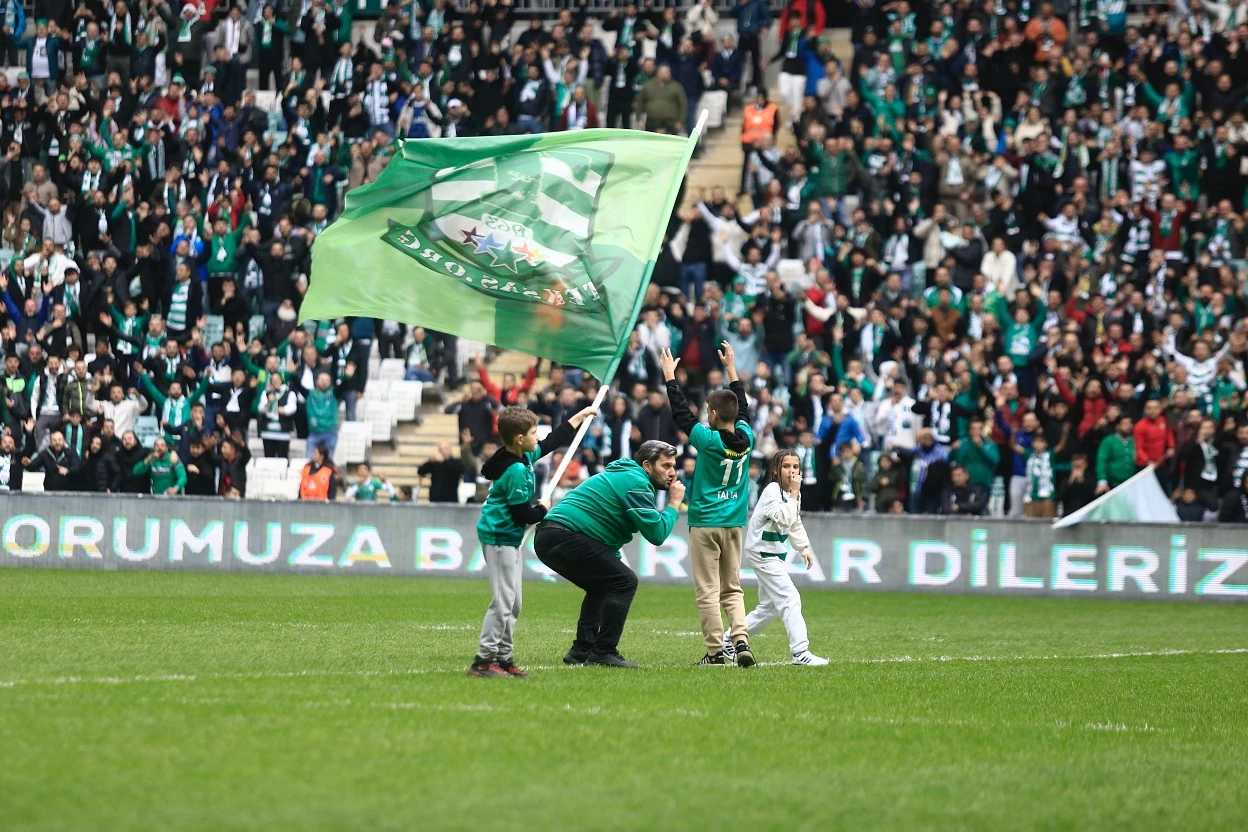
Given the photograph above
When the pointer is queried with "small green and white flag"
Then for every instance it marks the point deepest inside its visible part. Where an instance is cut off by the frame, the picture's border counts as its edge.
(542, 244)
(1138, 500)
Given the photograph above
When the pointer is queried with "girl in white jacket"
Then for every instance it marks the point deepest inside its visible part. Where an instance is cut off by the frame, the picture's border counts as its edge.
(776, 522)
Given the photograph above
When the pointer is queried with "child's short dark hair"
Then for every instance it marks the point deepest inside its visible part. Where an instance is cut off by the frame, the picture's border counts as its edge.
(513, 422)
(724, 403)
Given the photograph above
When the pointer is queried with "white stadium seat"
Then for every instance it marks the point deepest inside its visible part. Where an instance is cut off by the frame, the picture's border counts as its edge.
(716, 104)
(291, 490)
(266, 100)
(392, 369)
(214, 329)
(272, 466)
(793, 275)
(146, 429)
(354, 442)
(383, 419)
(376, 388)
(407, 396)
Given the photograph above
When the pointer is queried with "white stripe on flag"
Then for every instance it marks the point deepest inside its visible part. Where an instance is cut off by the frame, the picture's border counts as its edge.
(480, 163)
(560, 216)
(462, 190)
(557, 167)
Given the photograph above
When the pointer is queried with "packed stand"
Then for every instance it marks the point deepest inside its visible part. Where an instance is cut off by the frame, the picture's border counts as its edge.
(998, 269)
(162, 206)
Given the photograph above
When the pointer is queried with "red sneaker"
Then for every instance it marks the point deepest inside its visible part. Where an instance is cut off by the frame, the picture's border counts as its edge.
(487, 669)
(511, 668)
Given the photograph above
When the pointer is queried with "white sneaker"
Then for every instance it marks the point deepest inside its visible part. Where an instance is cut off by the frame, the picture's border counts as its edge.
(730, 652)
(810, 659)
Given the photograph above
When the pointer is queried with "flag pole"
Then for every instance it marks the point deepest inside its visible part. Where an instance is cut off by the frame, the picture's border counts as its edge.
(609, 376)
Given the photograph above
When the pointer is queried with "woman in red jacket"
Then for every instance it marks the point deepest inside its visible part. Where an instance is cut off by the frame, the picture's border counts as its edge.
(1092, 403)
(812, 14)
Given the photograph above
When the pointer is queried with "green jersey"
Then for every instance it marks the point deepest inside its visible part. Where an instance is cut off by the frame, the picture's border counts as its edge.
(719, 497)
(167, 472)
(497, 526)
(372, 490)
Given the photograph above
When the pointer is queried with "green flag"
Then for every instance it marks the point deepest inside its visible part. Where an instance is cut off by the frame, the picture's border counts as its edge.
(542, 244)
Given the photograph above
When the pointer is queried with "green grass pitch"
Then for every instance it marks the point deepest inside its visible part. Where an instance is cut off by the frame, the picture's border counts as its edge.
(221, 702)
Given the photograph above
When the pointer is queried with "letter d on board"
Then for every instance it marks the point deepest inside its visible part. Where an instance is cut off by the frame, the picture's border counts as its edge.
(919, 552)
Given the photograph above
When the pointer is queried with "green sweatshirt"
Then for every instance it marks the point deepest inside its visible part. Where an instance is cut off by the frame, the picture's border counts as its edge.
(166, 471)
(514, 487)
(322, 408)
(613, 506)
(980, 461)
(222, 249)
(1115, 460)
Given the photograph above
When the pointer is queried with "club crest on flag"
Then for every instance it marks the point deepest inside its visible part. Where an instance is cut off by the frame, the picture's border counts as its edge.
(518, 226)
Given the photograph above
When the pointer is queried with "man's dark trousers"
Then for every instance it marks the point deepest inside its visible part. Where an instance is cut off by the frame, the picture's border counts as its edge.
(608, 583)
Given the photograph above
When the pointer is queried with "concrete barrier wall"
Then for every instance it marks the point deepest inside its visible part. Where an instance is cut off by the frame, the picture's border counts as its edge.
(994, 557)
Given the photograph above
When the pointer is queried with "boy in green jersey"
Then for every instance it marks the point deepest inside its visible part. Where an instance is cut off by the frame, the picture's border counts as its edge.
(718, 504)
(509, 508)
(368, 488)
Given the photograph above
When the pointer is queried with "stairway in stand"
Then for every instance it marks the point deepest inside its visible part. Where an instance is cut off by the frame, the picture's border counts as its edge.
(416, 442)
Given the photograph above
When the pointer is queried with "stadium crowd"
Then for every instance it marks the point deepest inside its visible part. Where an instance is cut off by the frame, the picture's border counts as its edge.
(999, 270)
(1019, 243)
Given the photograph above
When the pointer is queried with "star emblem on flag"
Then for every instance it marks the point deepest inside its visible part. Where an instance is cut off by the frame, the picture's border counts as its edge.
(507, 258)
(531, 254)
(486, 245)
(470, 237)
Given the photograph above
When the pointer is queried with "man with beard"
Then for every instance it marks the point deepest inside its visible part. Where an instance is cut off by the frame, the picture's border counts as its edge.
(581, 537)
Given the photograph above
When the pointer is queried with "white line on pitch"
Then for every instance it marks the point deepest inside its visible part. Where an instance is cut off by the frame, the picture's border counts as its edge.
(416, 671)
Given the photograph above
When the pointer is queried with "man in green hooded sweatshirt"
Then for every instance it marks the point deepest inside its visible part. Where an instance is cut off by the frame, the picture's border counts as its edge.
(168, 472)
(581, 537)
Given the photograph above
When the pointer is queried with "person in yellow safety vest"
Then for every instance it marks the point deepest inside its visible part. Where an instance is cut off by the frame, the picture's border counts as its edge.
(758, 120)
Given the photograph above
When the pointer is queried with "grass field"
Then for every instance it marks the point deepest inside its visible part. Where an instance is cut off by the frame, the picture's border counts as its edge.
(181, 701)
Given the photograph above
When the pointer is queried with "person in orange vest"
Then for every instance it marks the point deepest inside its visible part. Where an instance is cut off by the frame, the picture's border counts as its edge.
(758, 120)
(320, 477)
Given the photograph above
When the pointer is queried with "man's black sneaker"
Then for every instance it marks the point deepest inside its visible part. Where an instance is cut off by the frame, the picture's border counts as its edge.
(486, 668)
(610, 660)
(718, 658)
(744, 657)
(512, 669)
(575, 656)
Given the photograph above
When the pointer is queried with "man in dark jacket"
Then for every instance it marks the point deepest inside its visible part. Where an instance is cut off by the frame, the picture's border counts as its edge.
(58, 462)
(445, 471)
(121, 476)
(655, 420)
(201, 470)
(967, 258)
(476, 415)
(961, 496)
(231, 459)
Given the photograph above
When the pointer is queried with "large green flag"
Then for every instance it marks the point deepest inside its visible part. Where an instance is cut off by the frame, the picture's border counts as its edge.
(542, 244)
